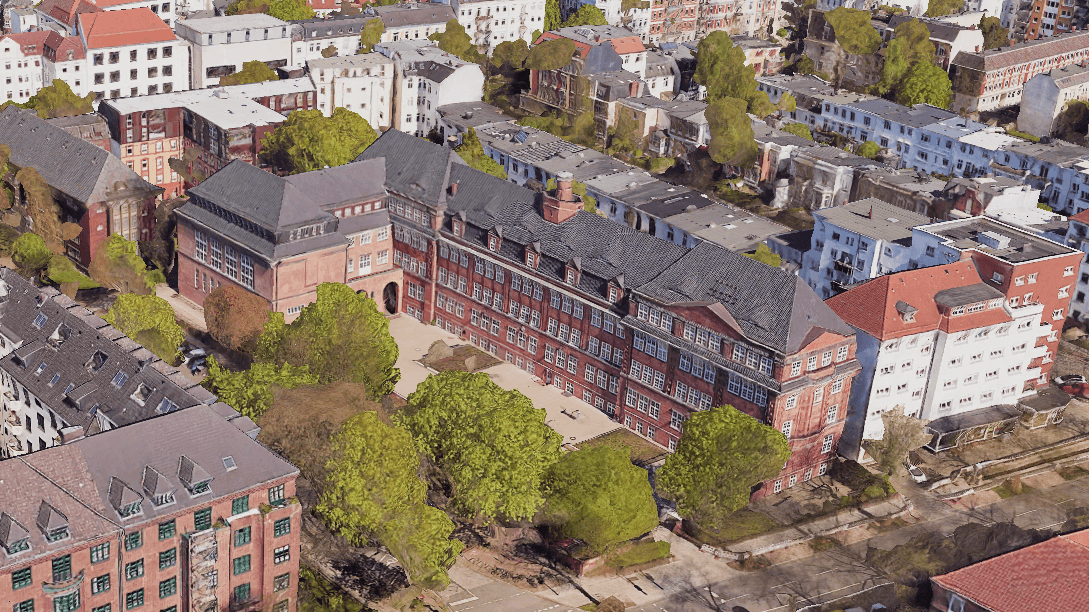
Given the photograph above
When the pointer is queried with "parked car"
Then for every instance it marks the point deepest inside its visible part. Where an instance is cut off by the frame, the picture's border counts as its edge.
(1074, 384)
(1069, 379)
(916, 474)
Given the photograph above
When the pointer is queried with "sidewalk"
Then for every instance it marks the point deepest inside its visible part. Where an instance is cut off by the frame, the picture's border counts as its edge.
(191, 314)
(414, 338)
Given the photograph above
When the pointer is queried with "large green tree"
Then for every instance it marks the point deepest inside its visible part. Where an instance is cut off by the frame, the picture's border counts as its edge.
(492, 444)
(420, 540)
(252, 72)
(510, 53)
(235, 317)
(853, 30)
(290, 10)
(868, 149)
(798, 129)
(732, 139)
(551, 15)
(994, 35)
(308, 140)
(371, 35)
(149, 320)
(341, 336)
(926, 83)
(598, 496)
(720, 67)
(472, 152)
(117, 264)
(42, 212)
(250, 391)
(902, 434)
(909, 47)
(58, 100)
(939, 8)
(721, 456)
(30, 254)
(551, 54)
(587, 14)
(455, 41)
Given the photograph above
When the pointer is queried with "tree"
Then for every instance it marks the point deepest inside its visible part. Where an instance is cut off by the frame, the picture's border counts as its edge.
(290, 10)
(329, 51)
(492, 444)
(732, 139)
(149, 320)
(940, 8)
(587, 14)
(787, 103)
(308, 140)
(252, 72)
(868, 149)
(903, 434)
(798, 129)
(159, 250)
(721, 456)
(926, 84)
(853, 30)
(341, 336)
(371, 35)
(511, 53)
(455, 41)
(30, 254)
(598, 496)
(1072, 122)
(909, 47)
(551, 54)
(420, 540)
(118, 264)
(764, 255)
(64, 273)
(760, 104)
(250, 391)
(248, 7)
(42, 211)
(552, 15)
(58, 100)
(994, 35)
(235, 317)
(472, 152)
(6, 200)
(720, 67)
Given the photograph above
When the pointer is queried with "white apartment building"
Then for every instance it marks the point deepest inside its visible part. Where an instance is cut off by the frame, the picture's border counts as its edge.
(21, 57)
(612, 9)
(69, 64)
(490, 22)
(312, 36)
(360, 83)
(132, 53)
(411, 20)
(425, 78)
(856, 242)
(163, 8)
(221, 45)
(935, 342)
(1077, 237)
(1046, 96)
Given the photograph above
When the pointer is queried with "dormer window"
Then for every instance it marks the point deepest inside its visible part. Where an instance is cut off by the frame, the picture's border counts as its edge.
(493, 243)
(532, 259)
(572, 276)
(13, 536)
(53, 523)
(956, 312)
(97, 360)
(157, 487)
(141, 394)
(495, 238)
(572, 271)
(614, 294)
(166, 406)
(194, 477)
(457, 228)
(124, 499)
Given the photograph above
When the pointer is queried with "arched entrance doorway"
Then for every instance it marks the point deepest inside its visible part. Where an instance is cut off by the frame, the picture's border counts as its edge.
(389, 297)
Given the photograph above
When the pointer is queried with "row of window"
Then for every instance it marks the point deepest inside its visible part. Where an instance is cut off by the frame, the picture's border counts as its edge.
(224, 259)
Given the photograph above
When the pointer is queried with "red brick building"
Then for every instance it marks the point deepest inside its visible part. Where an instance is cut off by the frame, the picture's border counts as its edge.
(281, 237)
(641, 328)
(142, 518)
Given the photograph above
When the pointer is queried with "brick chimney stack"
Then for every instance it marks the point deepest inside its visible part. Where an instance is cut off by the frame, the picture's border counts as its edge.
(561, 204)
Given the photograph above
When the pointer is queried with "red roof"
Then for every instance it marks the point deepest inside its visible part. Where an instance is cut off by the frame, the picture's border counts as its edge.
(1051, 575)
(30, 43)
(66, 11)
(323, 5)
(582, 48)
(628, 44)
(871, 306)
(122, 28)
(1082, 217)
(73, 44)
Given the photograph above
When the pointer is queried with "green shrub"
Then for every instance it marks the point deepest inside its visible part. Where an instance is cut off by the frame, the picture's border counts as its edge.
(638, 554)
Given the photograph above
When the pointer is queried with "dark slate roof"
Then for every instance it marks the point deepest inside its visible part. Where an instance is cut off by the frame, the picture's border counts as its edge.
(68, 163)
(86, 362)
(402, 16)
(1024, 52)
(416, 168)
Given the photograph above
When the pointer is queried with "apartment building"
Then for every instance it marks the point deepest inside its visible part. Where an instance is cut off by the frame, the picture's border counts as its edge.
(632, 324)
(490, 22)
(935, 342)
(670, 128)
(425, 78)
(132, 52)
(531, 156)
(281, 237)
(146, 517)
(360, 83)
(221, 45)
(147, 131)
(996, 78)
(752, 20)
(412, 20)
(949, 39)
(67, 60)
(1046, 97)
(1049, 17)
(675, 20)
(105, 197)
(21, 58)
(856, 242)
(312, 36)
(91, 128)
(224, 130)
(1077, 237)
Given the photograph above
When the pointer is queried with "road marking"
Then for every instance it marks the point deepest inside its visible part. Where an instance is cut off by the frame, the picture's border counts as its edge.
(1025, 512)
(826, 571)
(463, 601)
(1052, 525)
(784, 584)
(738, 597)
(1064, 501)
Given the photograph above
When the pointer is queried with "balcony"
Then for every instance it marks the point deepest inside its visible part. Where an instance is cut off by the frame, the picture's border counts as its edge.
(65, 586)
(1038, 351)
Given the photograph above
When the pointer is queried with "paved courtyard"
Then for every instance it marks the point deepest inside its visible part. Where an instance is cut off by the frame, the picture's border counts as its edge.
(575, 420)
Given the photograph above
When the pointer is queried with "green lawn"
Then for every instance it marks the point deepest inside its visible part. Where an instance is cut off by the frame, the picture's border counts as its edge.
(638, 554)
(741, 525)
(640, 448)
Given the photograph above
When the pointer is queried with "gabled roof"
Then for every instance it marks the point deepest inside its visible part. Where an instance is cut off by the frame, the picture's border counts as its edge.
(66, 11)
(1021, 53)
(30, 43)
(74, 44)
(1082, 217)
(1051, 575)
(415, 167)
(69, 164)
(876, 306)
(122, 28)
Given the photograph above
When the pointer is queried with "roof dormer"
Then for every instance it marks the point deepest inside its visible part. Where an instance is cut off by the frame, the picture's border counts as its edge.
(194, 477)
(52, 522)
(124, 499)
(907, 311)
(616, 289)
(495, 238)
(13, 536)
(157, 487)
(457, 224)
(572, 272)
(533, 255)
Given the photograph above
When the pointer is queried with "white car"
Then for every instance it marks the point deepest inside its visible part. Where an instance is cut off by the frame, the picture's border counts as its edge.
(916, 474)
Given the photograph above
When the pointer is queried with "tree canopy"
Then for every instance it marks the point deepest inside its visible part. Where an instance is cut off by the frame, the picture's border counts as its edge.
(371, 35)
(308, 140)
(149, 320)
(994, 35)
(117, 263)
(909, 72)
(732, 139)
(720, 67)
(1072, 122)
(551, 54)
(721, 456)
(472, 152)
(291, 10)
(247, 7)
(926, 84)
(853, 30)
(235, 317)
(58, 100)
(903, 434)
(511, 53)
(250, 391)
(252, 72)
(42, 211)
(868, 149)
(455, 41)
(798, 129)
(587, 14)
(598, 496)
(30, 254)
(939, 8)
(492, 444)
(552, 15)
(764, 255)
(341, 336)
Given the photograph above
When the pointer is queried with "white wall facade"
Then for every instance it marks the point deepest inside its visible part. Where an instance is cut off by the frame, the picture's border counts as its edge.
(490, 22)
(22, 75)
(365, 88)
(72, 71)
(858, 257)
(163, 8)
(894, 373)
(303, 51)
(221, 45)
(136, 70)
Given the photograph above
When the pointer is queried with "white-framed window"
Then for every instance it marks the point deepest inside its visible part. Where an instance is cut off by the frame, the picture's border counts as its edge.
(793, 480)
(247, 271)
(822, 470)
(787, 426)
(201, 249)
(841, 354)
(832, 414)
(778, 486)
(796, 368)
(791, 402)
(812, 364)
(826, 446)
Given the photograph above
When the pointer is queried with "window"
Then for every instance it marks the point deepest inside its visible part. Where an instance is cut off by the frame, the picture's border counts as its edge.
(281, 582)
(242, 593)
(168, 558)
(21, 579)
(66, 603)
(24, 606)
(276, 494)
(812, 363)
(826, 447)
(281, 554)
(832, 413)
(134, 540)
(167, 530)
(100, 552)
(241, 565)
(281, 527)
(106, 608)
(62, 568)
(796, 368)
(778, 486)
(201, 242)
(787, 426)
(247, 271)
(202, 519)
(242, 536)
(168, 587)
(134, 570)
(240, 505)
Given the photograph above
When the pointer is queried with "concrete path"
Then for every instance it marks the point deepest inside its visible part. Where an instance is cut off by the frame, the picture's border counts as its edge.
(572, 418)
(190, 313)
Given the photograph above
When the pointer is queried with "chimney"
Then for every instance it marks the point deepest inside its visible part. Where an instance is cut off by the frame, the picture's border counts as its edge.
(562, 204)
(71, 434)
(871, 211)
(453, 188)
